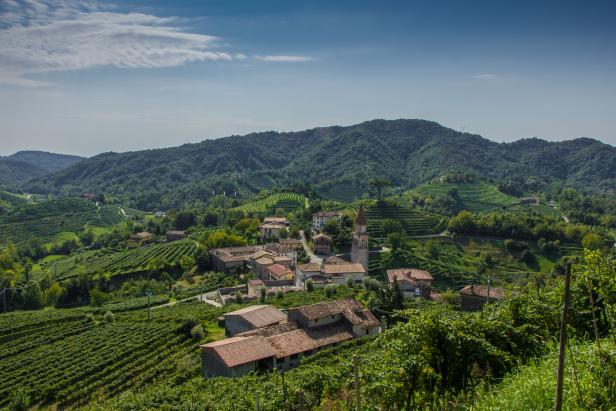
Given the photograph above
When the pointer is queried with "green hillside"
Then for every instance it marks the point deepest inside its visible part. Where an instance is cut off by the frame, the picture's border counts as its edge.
(337, 161)
(122, 262)
(268, 204)
(474, 196)
(8, 201)
(47, 220)
(415, 222)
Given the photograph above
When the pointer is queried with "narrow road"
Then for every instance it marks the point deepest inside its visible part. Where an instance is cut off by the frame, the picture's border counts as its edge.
(207, 298)
(313, 257)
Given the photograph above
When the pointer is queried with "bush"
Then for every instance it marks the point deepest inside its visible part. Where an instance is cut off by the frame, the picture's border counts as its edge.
(189, 325)
(350, 282)
(97, 297)
(197, 332)
(90, 318)
(330, 290)
(109, 317)
(310, 285)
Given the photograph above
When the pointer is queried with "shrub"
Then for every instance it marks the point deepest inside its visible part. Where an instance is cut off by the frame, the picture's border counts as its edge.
(97, 297)
(109, 317)
(350, 282)
(90, 318)
(188, 326)
(262, 294)
(330, 290)
(197, 332)
(309, 285)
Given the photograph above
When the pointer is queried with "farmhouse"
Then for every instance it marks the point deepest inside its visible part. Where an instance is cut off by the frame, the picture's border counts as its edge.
(322, 217)
(334, 270)
(140, 238)
(291, 243)
(252, 317)
(282, 345)
(232, 259)
(412, 281)
(473, 297)
(279, 272)
(271, 230)
(322, 244)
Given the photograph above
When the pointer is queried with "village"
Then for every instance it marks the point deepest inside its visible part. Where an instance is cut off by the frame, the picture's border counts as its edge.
(262, 337)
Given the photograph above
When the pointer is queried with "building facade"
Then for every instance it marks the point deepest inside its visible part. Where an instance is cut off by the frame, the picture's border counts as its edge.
(359, 248)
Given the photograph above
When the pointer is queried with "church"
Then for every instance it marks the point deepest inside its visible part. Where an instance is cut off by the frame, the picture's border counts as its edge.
(359, 250)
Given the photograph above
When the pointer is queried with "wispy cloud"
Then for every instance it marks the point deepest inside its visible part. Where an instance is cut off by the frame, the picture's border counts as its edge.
(487, 76)
(283, 59)
(61, 35)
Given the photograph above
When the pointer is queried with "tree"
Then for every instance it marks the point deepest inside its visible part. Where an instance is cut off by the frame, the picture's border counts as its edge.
(379, 184)
(197, 332)
(391, 226)
(184, 219)
(20, 400)
(350, 281)
(33, 297)
(262, 295)
(462, 223)
(592, 241)
(53, 294)
(309, 285)
(395, 240)
(97, 297)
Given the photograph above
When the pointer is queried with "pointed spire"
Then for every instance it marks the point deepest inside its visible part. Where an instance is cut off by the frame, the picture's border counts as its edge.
(361, 218)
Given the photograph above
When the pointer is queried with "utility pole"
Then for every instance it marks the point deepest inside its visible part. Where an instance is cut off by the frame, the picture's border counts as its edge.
(149, 294)
(558, 405)
(357, 390)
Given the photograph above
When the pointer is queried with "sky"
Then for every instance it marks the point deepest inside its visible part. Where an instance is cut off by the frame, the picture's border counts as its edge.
(85, 77)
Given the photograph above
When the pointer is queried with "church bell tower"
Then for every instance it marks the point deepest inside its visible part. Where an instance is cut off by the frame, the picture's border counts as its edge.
(359, 250)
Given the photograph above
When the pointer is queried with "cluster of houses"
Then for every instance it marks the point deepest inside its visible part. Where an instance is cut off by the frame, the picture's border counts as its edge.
(144, 237)
(262, 337)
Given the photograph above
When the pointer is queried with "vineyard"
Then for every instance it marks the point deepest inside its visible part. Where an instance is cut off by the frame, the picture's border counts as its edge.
(122, 262)
(272, 202)
(415, 222)
(473, 196)
(62, 358)
(48, 219)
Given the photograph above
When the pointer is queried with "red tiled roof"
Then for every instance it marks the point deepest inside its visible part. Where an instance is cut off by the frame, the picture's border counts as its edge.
(408, 274)
(279, 271)
(496, 293)
(343, 268)
(259, 315)
(310, 267)
(241, 350)
(327, 308)
(303, 340)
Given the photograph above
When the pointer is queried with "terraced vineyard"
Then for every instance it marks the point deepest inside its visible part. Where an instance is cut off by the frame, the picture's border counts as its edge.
(269, 204)
(473, 196)
(415, 222)
(48, 219)
(122, 262)
(65, 360)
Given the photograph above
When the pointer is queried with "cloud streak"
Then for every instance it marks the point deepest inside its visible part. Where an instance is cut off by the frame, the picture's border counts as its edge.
(63, 35)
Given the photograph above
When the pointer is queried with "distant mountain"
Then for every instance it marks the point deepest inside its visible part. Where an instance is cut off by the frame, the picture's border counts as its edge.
(24, 165)
(339, 161)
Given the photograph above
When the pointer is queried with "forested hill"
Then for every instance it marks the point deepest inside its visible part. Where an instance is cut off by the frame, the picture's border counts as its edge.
(339, 161)
(25, 165)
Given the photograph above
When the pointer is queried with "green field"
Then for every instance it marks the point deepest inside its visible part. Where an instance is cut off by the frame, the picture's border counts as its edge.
(46, 220)
(272, 202)
(473, 196)
(415, 222)
(63, 359)
(121, 262)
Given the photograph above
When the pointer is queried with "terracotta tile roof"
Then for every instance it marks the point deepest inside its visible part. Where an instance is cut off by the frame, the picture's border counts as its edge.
(333, 269)
(282, 220)
(327, 214)
(255, 282)
(271, 330)
(335, 260)
(241, 350)
(322, 237)
(282, 258)
(289, 241)
(310, 267)
(265, 261)
(496, 293)
(327, 308)
(278, 271)
(408, 274)
(303, 340)
(259, 315)
(141, 235)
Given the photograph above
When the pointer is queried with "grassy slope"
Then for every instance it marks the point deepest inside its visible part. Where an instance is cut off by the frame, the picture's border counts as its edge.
(415, 222)
(533, 387)
(474, 196)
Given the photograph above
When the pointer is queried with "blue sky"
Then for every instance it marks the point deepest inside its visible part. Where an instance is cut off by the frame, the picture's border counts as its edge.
(87, 77)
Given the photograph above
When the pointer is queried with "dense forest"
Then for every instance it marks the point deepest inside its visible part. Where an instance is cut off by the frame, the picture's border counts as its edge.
(24, 165)
(337, 161)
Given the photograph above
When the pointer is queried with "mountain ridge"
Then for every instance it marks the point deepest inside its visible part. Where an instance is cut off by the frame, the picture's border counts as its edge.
(408, 152)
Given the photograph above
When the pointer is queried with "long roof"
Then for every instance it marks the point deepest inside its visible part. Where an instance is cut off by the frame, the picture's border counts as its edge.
(496, 293)
(408, 274)
(259, 315)
(343, 268)
(309, 267)
(241, 350)
(327, 308)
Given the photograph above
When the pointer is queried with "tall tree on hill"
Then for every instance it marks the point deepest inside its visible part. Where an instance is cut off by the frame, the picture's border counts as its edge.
(379, 184)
